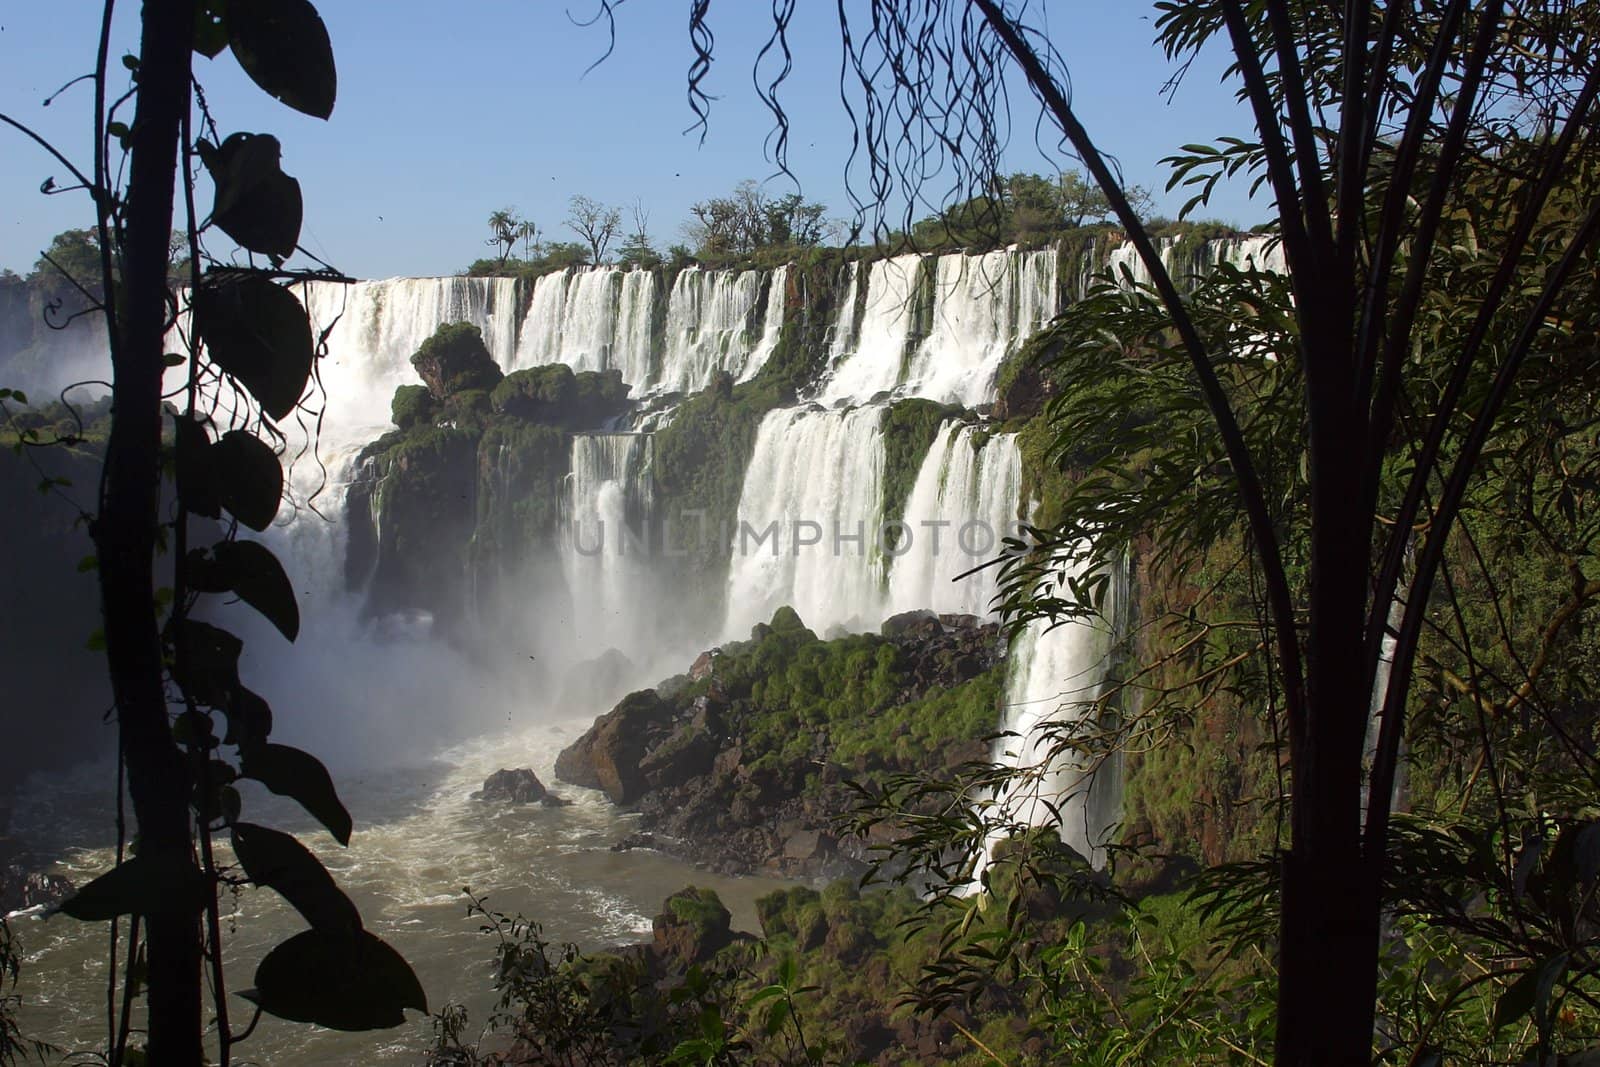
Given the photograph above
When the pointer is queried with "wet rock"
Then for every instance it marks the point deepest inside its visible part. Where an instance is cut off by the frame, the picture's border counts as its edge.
(519, 786)
(704, 665)
(607, 756)
(912, 624)
(24, 888)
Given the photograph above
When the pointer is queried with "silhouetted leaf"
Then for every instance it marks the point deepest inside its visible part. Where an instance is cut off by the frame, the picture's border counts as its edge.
(249, 719)
(195, 488)
(292, 773)
(258, 332)
(250, 570)
(256, 203)
(276, 860)
(1517, 1000)
(284, 47)
(210, 28)
(208, 664)
(248, 478)
(144, 885)
(343, 982)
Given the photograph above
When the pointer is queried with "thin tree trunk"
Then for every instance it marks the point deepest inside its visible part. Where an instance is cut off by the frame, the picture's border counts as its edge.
(125, 530)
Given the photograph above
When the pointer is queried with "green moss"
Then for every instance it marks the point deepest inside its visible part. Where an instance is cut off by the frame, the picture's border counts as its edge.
(412, 406)
(700, 460)
(455, 358)
(554, 395)
(908, 432)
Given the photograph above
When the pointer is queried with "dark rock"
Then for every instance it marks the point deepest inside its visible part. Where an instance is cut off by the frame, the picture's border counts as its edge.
(607, 756)
(956, 621)
(807, 845)
(633, 841)
(688, 753)
(24, 888)
(520, 786)
(920, 623)
(597, 683)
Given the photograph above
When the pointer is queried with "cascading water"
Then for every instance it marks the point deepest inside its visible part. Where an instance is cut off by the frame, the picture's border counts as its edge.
(709, 327)
(1055, 677)
(984, 307)
(591, 319)
(876, 363)
(604, 549)
(809, 518)
(962, 506)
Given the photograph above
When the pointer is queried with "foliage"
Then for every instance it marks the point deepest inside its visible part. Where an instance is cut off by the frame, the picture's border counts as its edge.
(14, 1047)
(596, 223)
(412, 406)
(1021, 208)
(552, 394)
(455, 358)
(189, 729)
(750, 219)
(909, 429)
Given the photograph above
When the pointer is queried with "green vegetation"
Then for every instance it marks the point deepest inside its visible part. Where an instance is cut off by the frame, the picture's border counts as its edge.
(454, 359)
(857, 700)
(908, 431)
(555, 396)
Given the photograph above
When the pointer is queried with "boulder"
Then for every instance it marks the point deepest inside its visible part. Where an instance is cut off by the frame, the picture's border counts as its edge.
(455, 359)
(704, 665)
(24, 888)
(694, 926)
(607, 756)
(687, 754)
(520, 786)
(921, 623)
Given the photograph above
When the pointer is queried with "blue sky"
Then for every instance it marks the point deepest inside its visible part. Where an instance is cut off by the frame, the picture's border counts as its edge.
(449, 111)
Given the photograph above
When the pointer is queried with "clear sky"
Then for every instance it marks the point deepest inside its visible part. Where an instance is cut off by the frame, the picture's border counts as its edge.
(447, 111)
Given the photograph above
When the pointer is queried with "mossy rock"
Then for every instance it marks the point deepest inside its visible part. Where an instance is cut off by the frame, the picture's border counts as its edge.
(455, 359)
(556, 396)
(412, 406)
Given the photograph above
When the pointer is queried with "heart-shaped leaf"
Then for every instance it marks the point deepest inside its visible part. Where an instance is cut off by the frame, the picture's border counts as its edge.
(284, 47)
(210, 29)
(276, 860)
(207, 663)
(144, 885)
(257, 331)
(248, 478)
(249, 720)
(344, 982)
(256, 203)
(301, 776)
(250, 570)
(195, 488)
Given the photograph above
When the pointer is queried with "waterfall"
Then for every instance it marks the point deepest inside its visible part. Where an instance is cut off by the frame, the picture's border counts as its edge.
(886, 323)
(1053, 677)
(376, 328)
(604, 552)
(964, 502)
(709, 327)
(771, 326)
(808, 524)
(842, 337)
(591, 319)
(984, 307)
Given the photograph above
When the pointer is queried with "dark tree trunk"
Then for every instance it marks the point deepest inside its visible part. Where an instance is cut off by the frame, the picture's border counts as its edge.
(1327, 954)
(125, 530)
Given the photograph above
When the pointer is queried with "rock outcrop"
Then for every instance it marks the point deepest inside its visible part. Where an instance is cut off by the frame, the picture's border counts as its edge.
(745, 767)
(519, 786)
